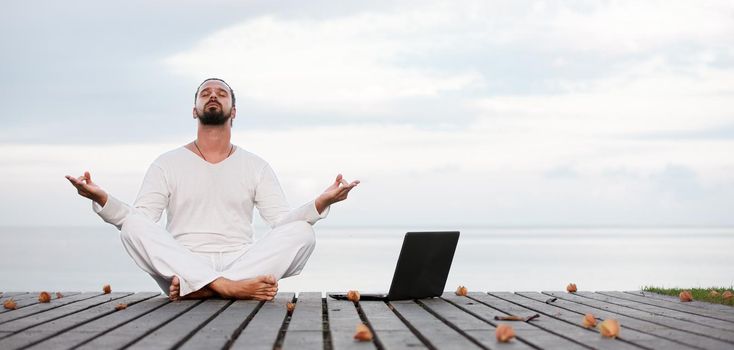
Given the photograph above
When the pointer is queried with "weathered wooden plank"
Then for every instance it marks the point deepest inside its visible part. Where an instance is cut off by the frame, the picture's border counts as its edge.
(220, 331)
(41, 307)
(5, 295)
(343, 321)
(28, 299)
(15, 296)
(25, 295)
(573, 314)
(688, 307)
(554, 333)
(306, 329)
(470, 326)
(391, 331)
(684, 316)
(701, 304)
(638, 332)
(46, 330)
(262, 331)
(91, 330)
(132, 331)
(176, 331)
(52, 314)
(431, 329)
(641, 321)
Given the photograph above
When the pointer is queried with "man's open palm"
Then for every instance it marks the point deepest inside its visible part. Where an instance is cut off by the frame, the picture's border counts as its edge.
(338, 191)
(87, 188)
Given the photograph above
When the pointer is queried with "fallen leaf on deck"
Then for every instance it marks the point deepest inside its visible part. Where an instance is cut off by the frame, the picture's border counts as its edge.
(571, 288)
(44, 297)
(461, 291)
(504, 333)
(353, 296)
(107, 289)
(551, 300)
(10, 304)
(363, 333)
(120, 306)
(727, 295)
(59, 295)
(589, 321)
(290, 307)
(685, 296)
(609, 328)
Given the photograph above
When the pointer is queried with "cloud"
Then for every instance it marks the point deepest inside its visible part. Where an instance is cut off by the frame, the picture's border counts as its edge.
(467, 112)
(649, 96)
(368, 66)
(347, 64)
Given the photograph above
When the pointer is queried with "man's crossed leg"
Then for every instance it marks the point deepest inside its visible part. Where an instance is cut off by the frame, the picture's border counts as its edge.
(183, 274)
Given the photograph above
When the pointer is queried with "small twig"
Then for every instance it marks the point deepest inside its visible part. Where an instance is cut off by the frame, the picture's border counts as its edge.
(509, 318)
(516, 318)
(551, 300)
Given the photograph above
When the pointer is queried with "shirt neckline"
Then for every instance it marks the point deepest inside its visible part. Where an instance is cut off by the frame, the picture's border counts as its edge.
(234, 150)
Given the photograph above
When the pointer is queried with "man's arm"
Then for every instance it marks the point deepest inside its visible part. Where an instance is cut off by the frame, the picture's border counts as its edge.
(151, 201)
(274, 209)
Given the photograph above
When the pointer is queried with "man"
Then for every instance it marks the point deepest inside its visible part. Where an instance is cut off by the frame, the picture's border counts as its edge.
(209, 189)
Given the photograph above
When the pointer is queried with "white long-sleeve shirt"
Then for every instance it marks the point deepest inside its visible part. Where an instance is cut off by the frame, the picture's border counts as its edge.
(210, 206)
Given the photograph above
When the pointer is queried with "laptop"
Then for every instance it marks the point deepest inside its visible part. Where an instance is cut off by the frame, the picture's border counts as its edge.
(422, 269)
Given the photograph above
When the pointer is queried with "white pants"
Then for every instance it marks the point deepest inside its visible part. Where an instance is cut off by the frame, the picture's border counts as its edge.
(282, 253)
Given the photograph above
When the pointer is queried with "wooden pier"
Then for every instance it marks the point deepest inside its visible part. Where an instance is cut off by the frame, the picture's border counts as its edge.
(90, 320)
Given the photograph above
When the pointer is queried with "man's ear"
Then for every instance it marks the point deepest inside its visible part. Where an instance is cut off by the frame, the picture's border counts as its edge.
(193, 112)
(234, 113)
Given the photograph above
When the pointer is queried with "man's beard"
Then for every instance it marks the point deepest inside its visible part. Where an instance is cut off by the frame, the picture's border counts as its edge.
(213, 116)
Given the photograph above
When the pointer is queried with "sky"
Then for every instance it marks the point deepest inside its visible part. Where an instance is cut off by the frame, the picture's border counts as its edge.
(452, 114)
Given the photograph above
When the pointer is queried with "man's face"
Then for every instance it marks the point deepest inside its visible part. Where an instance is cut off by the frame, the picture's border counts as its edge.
(213, 103)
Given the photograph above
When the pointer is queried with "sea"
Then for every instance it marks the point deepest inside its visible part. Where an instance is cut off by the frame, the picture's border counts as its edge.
(363, 258)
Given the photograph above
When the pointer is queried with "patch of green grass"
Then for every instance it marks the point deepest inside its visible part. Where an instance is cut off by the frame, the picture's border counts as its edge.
(701, 294)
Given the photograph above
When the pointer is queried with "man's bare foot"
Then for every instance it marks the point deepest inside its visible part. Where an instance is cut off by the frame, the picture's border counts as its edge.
(263, 287)
(174, 291)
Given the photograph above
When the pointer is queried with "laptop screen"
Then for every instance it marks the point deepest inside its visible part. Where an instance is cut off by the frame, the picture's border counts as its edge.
(423, 265)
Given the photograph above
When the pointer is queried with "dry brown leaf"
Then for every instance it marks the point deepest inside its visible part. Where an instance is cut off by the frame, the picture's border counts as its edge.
(363, 333)
(290, 307)
(589, 321)
(120, 306)
(571, 288)
(685, 296)
(461, 291)
(713, 294)
(609, 328)
(353, 296)
(59, 295)
(10, 304)
(727, 295)
(107, 289)
(44, 297)
(504, 333)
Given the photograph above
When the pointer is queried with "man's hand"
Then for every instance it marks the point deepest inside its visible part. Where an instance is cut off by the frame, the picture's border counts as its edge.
(87, 188)
(338, 191)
